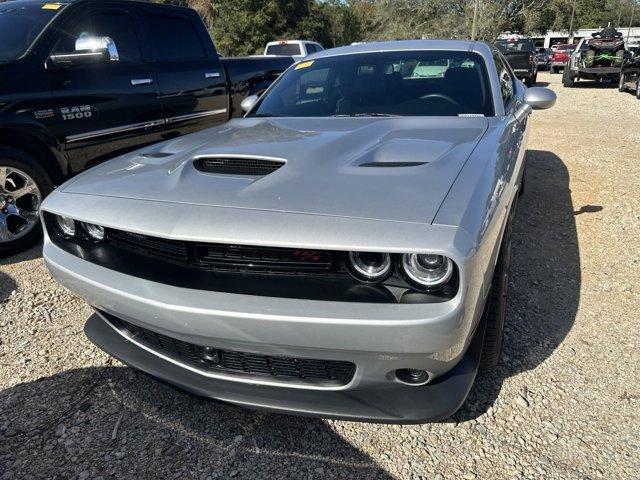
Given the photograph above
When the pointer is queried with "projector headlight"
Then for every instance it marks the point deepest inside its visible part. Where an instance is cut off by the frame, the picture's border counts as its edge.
(94, 232)
(426, 270)
(66, 225)
(369, 267)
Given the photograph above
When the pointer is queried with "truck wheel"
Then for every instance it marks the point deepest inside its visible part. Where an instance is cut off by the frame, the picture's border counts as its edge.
(552, 70)
(621, 87)
(23, 186)
(567, 79)
(619, 58)
(496, 306)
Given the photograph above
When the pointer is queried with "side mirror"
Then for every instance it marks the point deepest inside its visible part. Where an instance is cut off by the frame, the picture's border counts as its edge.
(88, 49)
(539, 98)
(249, 102)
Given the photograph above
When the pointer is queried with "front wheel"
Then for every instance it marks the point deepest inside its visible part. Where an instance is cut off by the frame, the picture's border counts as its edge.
(621, 87)
(23, 186)
(638, 89)
(496, 306)
(567, 79)
(552, 70)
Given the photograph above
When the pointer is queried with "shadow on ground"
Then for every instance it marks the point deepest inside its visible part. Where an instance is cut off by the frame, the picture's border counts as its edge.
(7, 285)
(31, 254)
(119, 423)
(544, 286)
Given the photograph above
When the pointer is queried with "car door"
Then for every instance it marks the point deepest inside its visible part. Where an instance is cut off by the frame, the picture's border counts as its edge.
(513, 145)
(108, 107)
(190, 75)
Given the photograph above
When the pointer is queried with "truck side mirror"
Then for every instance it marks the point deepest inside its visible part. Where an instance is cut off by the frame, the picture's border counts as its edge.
(248, 103)
(88, 49)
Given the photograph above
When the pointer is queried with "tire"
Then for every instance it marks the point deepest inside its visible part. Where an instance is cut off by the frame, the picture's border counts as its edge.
(638, 89)
(567, 79)
(621, 87)
(529, 81)
(19, 232)
(534, 80)
(496, 306)
(552, 70)
(619, 60)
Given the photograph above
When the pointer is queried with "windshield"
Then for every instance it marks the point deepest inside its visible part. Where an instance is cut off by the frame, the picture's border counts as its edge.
(406, 83)
(284, 49)
(506, 46)
(20, 24)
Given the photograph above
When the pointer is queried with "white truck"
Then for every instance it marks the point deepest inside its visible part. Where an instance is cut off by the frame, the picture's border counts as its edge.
(297, 49)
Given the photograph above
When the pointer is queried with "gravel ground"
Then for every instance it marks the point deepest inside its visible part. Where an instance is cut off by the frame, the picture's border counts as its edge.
(564, 403)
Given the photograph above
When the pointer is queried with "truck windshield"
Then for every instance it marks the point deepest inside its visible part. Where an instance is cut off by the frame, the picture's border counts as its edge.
(284, 49)
(20, 24)
(506, 46)
(402, 83)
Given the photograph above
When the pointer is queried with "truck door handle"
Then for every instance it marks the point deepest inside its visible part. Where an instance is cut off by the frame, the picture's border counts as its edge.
(141, 81)
(212, 74)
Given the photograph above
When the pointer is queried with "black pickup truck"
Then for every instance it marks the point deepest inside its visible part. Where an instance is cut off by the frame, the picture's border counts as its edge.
(521, 56)
(84, 81)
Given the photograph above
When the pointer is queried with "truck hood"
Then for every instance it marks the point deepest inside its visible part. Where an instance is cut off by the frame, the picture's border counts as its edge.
(396, 169)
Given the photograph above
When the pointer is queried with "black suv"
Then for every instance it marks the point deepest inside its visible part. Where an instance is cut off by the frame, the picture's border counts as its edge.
(84, 81)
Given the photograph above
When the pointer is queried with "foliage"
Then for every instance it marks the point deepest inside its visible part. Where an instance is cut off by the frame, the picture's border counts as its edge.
(243, 27)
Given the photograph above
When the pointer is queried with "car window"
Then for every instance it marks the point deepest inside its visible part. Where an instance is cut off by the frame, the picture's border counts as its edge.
(401, 83)
(509, 46)
(284, 49)
(506, 80)
(116, 25)
(172, 38)
(311, 48)
(20, 24)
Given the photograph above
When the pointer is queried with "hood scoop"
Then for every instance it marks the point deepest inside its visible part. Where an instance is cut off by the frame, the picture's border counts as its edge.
(230, 165)
(393, 164)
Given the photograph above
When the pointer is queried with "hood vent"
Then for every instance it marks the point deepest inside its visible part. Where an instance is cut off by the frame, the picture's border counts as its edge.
(237, 165)
(392, 164)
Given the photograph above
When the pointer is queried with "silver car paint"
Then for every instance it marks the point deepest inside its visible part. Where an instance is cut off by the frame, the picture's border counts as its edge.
(462, 216)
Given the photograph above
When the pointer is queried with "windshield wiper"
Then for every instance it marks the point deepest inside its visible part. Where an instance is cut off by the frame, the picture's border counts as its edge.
(373, 114)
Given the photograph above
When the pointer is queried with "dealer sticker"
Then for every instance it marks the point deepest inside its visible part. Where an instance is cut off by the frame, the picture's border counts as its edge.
(51, 6)
(302, 65)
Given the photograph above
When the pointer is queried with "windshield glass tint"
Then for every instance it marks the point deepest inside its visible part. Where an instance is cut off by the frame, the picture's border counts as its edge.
(284, 49)
(20, 24)
(518, 46)
(406, 83)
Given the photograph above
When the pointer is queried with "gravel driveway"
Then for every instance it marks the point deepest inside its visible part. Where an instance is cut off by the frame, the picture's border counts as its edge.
(564, 403)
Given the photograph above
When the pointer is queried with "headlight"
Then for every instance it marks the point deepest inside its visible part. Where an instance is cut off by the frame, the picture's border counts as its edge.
(66, 225)
(370, 266)
(426, 270)
(94, 232)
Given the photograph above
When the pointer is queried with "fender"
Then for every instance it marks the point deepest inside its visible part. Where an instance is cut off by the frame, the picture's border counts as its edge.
(15, 130)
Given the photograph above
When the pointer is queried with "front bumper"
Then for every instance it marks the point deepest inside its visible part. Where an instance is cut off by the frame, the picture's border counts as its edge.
(386, 402)
(378, 339)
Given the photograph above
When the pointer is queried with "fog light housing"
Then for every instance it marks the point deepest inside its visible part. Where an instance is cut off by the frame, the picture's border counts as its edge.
(66, 226)
(412, 376)
(426, 271)
(370, 267)
(94, 232)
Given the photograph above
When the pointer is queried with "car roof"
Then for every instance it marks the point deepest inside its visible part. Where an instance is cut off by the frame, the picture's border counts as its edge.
(402, 45)
(398, 46)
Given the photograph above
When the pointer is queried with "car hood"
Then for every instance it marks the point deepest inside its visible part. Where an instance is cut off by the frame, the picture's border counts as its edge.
(396, 169)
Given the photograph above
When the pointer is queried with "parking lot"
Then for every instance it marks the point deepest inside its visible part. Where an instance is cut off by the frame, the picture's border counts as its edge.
(564, 403)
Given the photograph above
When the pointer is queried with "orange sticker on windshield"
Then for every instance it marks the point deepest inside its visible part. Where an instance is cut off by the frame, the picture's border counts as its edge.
(51, 6)
(302, 65)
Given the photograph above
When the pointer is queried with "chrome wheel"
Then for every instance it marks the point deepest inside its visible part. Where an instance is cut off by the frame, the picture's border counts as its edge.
(20, 200)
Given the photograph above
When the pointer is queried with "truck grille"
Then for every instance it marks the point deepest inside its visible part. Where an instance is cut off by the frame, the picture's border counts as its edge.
(211, 359)
(232, 258)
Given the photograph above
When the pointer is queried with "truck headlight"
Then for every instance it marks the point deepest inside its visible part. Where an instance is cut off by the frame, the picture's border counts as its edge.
(426, 270)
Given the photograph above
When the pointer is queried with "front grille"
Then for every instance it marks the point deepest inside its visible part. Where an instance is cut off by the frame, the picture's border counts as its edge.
(237, 166)
(233, 258)
(212, 359)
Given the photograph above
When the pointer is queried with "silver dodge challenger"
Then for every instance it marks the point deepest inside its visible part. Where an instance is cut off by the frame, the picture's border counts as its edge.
(342, 251)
